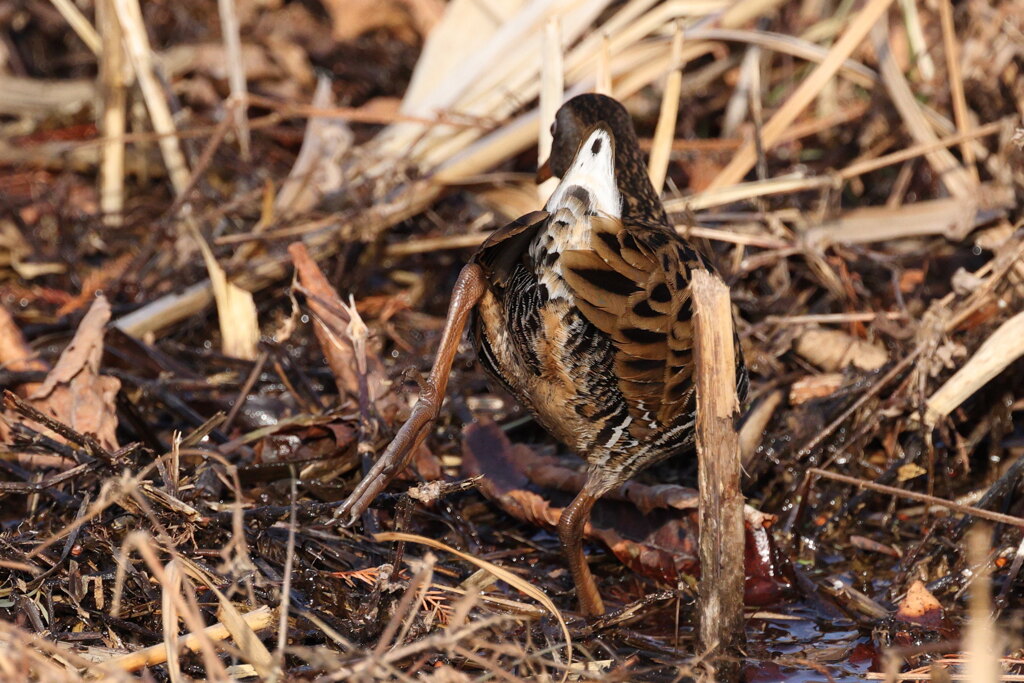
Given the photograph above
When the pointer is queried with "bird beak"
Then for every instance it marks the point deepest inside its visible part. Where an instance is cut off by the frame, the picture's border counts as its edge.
(544, 172)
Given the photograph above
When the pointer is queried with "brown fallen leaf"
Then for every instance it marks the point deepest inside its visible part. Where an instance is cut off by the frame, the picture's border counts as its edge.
(918, 619)
(332, 321)
(75, 392)
(920, 607)
(15, 353)
(650, 529)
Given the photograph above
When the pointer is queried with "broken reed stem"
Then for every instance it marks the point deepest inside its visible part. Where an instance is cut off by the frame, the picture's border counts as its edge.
(258, 619)
(720, 592)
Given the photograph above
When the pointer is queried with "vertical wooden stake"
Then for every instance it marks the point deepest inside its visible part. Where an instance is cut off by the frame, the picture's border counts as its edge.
(720, 593)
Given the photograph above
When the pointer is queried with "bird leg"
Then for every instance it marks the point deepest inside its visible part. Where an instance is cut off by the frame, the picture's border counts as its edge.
(570, 530)
(468, 290)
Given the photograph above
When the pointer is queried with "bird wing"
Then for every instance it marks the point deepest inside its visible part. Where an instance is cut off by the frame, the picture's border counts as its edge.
(504, 247)
(633, 285)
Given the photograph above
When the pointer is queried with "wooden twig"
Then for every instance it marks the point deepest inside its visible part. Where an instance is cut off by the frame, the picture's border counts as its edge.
(718, 450)
(85, 441)
(914, 495)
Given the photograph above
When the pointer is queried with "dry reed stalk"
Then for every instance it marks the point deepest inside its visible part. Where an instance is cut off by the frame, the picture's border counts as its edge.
(956, 83)
(80, 25)
(113, 99)
(869, 165)
(786, 184)
(256, 620)
(853, 71)
(603, 73)
(918, 44)
(665, 131)
(980, 641)
(141, 56)
(720, 590)
(738, 108)
(236, 310)
(238, 102)
(171, 586)
(997, 352)
(551, 94)
(948, 217)
(946, 167)
(805, 93)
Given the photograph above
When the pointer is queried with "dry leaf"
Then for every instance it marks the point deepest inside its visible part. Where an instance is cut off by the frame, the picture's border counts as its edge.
(920, 607)
(814, 386)
(909, 471)
(74, 392)
(833, 350)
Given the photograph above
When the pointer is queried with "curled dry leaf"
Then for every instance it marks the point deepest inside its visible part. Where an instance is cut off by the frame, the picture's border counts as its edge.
(75, 392)
(650, 529)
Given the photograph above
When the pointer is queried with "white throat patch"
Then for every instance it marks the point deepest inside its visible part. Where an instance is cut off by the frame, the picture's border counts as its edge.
(593, 172)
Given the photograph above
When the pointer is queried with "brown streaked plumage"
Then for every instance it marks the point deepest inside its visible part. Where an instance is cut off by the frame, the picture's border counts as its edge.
(583, 312)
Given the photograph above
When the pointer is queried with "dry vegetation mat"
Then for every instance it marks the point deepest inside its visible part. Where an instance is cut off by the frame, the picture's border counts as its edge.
(228, 232)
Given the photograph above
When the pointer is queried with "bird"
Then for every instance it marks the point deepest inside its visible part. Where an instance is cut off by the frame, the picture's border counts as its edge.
(583, 312)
